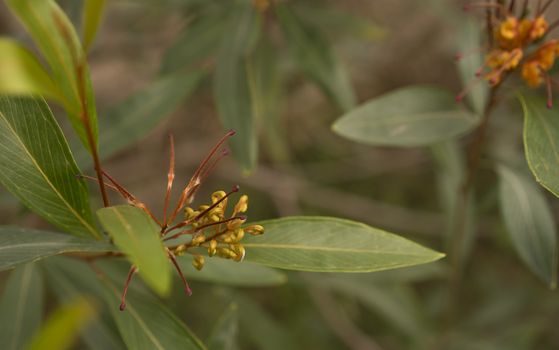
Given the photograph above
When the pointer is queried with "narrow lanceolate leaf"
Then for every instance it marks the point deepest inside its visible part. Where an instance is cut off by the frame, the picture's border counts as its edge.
(92, 13)
(21, 73)
(21, 308)
(63, 327)
(224, 334)
(529, 221)
(326, 244)
(313, 54)
(55, 36)
(199, 40)
(131, 120)
(148, 324)
(231, 86)
(37, 167)
(408, 117)
(541, 141)
(227, 272)
(137, 235)
(19, 246)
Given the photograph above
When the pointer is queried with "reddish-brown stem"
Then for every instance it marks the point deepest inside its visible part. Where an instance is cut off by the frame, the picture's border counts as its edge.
(133, 270)
(170, 178)
(187, 289)
(97, 181)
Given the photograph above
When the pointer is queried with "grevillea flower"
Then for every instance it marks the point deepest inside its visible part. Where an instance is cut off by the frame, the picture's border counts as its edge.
(517, 41)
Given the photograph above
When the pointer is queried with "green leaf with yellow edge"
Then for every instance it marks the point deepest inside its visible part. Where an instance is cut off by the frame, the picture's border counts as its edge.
(325, 244)
(57, 40)
(37, 167)
(146, 324)
(541, 141)
(231, 84)
(408, 117)
(22, 245)
(137, 235)
(232, 273)
(21, 308)
(91, 18)
(529, 222)
(64, 325)
(22, 74)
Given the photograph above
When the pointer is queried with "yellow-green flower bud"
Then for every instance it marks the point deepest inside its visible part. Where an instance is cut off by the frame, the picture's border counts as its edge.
(212, 249)
(198, 262)
(254, 230)
(198, 239)
(242, 205)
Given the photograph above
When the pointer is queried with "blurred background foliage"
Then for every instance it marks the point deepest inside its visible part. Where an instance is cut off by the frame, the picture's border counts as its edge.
(197, 67)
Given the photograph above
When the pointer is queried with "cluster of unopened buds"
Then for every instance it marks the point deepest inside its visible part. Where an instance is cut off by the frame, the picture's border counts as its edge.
(207, 226)
(517, 40)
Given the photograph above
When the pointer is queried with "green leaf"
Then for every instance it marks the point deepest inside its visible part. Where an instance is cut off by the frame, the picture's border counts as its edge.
(139, 114)
(55, 36)
(541, 141)
(19, 246)
(37, 167)
(231, 86)
(63, 326)
(232, 273)
(92, 13)
(314, 56)
(408, 117)
(199, 40)
(148, 324)
(529, 221)
(468, 41)
(71, 278)
(224, 334)
(21, 308)
(324, 244)
(21, 73)
(137, 235)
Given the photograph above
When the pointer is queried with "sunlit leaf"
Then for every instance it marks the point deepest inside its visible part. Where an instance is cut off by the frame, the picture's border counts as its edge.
(232, 273)
(313, 53)
(231, 86)
(137, 235)
(332, 245)
(21, 307)
(37, 167)
(408, 117)
(21, 245)
(63, 327)
(21, 73)
(92, 13)
(530, 224)
(224, 334)
(148, 324)
(55, 36)
(541, 141)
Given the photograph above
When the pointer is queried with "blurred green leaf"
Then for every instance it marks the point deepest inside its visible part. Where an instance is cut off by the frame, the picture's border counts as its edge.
(91, 18)
(224, 334)
(198, 41)
(529, 221)
(470, 59)
(63, 326)
(408, 117)
(55, 36)
(315, 57)
(325, 244)
(37, 167)
(71, 278)
(21, 73)
(227, 272)
(139, 114)
(21, 245)
(541, 132)
(148, 324)
(137, 235)
(21, 308)
(231, 86)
